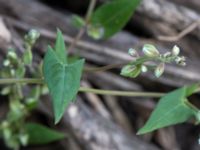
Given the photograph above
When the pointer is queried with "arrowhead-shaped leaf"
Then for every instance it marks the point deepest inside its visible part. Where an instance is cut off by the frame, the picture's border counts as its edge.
(39, 134)
(113, 15)
(171, 109)
(63, 79)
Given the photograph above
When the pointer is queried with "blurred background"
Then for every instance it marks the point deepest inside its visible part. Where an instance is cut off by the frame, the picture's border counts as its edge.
(107, 122)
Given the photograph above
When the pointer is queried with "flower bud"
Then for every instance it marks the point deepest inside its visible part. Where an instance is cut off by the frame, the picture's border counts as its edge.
(175, 50)
(183, 64)
(177, 60)
(159, 70)
(12, 72)
(167, 54)
(12, 55)
(23, 137)
(132, 52)
(144, 68)
(32, 36)
(6, 90)
(180, 60)
(131, 71)
(96, 32)
(150, 50)
(6, 62)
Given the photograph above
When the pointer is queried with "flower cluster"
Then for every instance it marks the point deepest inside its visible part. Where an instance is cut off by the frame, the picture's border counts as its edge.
(152, 59)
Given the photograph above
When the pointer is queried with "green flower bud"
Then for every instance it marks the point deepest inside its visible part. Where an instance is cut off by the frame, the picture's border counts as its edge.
(7, 133)
(31, 103)
(150, 50)
(132, 52)
(6, 90)
(131, 71)
(95, 32)
(175, 50)
(12, 55)
(32, 36)
(159, 70)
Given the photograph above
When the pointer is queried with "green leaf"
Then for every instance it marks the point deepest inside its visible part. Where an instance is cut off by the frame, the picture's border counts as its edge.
(39, 134)
(113, 15)
(77, 21)
(191, 89)
(60, 47)
(171, 109)
(63, 79)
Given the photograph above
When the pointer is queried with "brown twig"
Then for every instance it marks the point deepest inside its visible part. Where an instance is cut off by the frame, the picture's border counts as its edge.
(84, 44)
(96, 101)
(179, 36)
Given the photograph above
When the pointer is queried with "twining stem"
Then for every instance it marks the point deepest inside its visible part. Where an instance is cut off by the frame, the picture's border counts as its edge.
(191, 106)
(87, 20)
(24, 80)
(84, 89)
(103, 68)
(90, 10)
(121, 93)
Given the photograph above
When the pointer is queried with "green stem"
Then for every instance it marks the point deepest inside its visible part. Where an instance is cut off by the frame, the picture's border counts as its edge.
(191, 106)
(90, 10)
(82, 30)
(24, 80)
(121, 93)
(89, 90)
(103, 68)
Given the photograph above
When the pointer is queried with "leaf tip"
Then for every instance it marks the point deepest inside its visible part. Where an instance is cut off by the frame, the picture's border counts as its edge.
(58, 117)
(58, 31)
(57, 120)
(140, 132)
